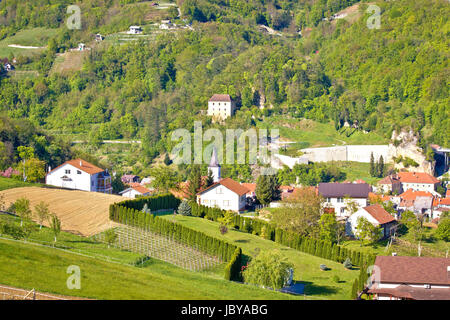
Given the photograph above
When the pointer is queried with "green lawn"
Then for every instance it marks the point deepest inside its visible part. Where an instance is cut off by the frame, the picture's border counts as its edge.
(355, 171)
(36, 37)
(311, 134)
(29, 266)
(318, 284)
(8, 183)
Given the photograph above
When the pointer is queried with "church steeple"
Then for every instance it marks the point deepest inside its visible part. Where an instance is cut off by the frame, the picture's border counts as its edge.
(214, 166)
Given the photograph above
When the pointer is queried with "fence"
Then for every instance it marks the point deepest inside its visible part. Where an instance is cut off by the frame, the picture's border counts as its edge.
(10, 293)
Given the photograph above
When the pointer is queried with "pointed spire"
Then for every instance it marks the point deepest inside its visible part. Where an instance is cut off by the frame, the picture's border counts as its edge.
(214, 161)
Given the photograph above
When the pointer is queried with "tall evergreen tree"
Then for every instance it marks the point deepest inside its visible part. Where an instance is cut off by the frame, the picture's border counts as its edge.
(372, 165)
(380, 169)
(195, 181)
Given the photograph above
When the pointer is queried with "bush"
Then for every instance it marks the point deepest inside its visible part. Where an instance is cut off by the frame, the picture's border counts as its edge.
(268, 269)
(348, 263)
(184, 209)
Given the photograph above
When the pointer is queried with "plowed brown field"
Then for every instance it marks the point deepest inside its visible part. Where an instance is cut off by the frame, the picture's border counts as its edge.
(80, 212)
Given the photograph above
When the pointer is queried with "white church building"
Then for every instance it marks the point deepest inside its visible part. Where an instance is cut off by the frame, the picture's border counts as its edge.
(80, 175)
(225, 194)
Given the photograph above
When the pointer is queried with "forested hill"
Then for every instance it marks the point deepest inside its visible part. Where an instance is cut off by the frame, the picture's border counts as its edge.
(336, 71)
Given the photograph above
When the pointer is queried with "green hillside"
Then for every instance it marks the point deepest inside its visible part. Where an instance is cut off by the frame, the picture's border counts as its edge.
(45, 269)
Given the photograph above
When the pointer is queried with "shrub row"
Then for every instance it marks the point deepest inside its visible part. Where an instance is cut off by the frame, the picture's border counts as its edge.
(158, 202)
(320, 248)
(233, 268)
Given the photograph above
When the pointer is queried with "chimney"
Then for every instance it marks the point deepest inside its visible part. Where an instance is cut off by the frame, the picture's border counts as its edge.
(81, 163)
(49, 168)
(394, 254)
(448, 272)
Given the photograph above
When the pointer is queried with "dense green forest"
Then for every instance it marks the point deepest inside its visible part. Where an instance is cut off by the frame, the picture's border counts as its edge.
(337, 71)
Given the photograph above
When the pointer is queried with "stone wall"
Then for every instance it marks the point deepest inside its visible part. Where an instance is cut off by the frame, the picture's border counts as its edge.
(357, 153)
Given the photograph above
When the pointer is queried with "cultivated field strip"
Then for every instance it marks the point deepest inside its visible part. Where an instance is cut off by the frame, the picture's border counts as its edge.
(80, 212)
(163, 248)
(11, 293)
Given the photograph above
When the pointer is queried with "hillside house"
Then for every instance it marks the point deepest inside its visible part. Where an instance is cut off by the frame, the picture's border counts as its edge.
(135, 30)
(80, 175)
(376, 215)
(135, 191)
(221, 106)
(335, 195)
(410, 278)
(129, 178)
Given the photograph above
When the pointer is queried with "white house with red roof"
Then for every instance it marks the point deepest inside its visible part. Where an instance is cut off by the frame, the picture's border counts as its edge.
(135, 191)
(221, 106)
(80, 175)
(225, 194)
(376, 215)
(417, 181)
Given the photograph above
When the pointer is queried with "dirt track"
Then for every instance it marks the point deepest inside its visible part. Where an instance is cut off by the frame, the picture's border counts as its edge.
(11, 293)
(80, 212)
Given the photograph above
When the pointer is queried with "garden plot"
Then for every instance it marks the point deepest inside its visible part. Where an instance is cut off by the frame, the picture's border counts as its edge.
(162, 248)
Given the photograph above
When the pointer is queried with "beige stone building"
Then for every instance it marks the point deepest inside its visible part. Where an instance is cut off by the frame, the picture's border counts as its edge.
(221, 106)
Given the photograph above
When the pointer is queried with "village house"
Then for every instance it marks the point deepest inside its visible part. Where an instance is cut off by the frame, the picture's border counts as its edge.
(80, 175)
(225, 194)
(135, 191)
(376, 215)
(402, 181)
(129, 178)
(338, 195)
(99, 37)
(221, 106)
(165, 24)
(135, 30)
(410, 278)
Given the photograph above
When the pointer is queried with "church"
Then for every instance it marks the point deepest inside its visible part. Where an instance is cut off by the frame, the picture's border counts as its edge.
(225, 194)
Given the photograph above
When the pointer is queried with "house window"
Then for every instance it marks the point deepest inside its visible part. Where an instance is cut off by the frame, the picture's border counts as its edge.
(67, 171)
(205, 201)
(219, 191)
(340, 200)
(226, 203)
(342, 210)
(78, 172)
(328, 199)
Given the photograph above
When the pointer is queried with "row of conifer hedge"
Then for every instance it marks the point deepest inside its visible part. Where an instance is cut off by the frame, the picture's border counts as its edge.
(320, 248)
(233, 268)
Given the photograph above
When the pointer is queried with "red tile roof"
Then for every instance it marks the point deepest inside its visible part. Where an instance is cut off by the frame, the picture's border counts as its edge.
(414, 293)
(411, 195)
(141, 189)
(417, 177)
(220, 98)
(413, 270)
(229, 183)
(250, 186)
(379, 214)
(82, 165)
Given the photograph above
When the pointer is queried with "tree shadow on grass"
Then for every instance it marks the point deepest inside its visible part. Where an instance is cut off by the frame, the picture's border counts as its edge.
(314, 289)
(242, 241)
